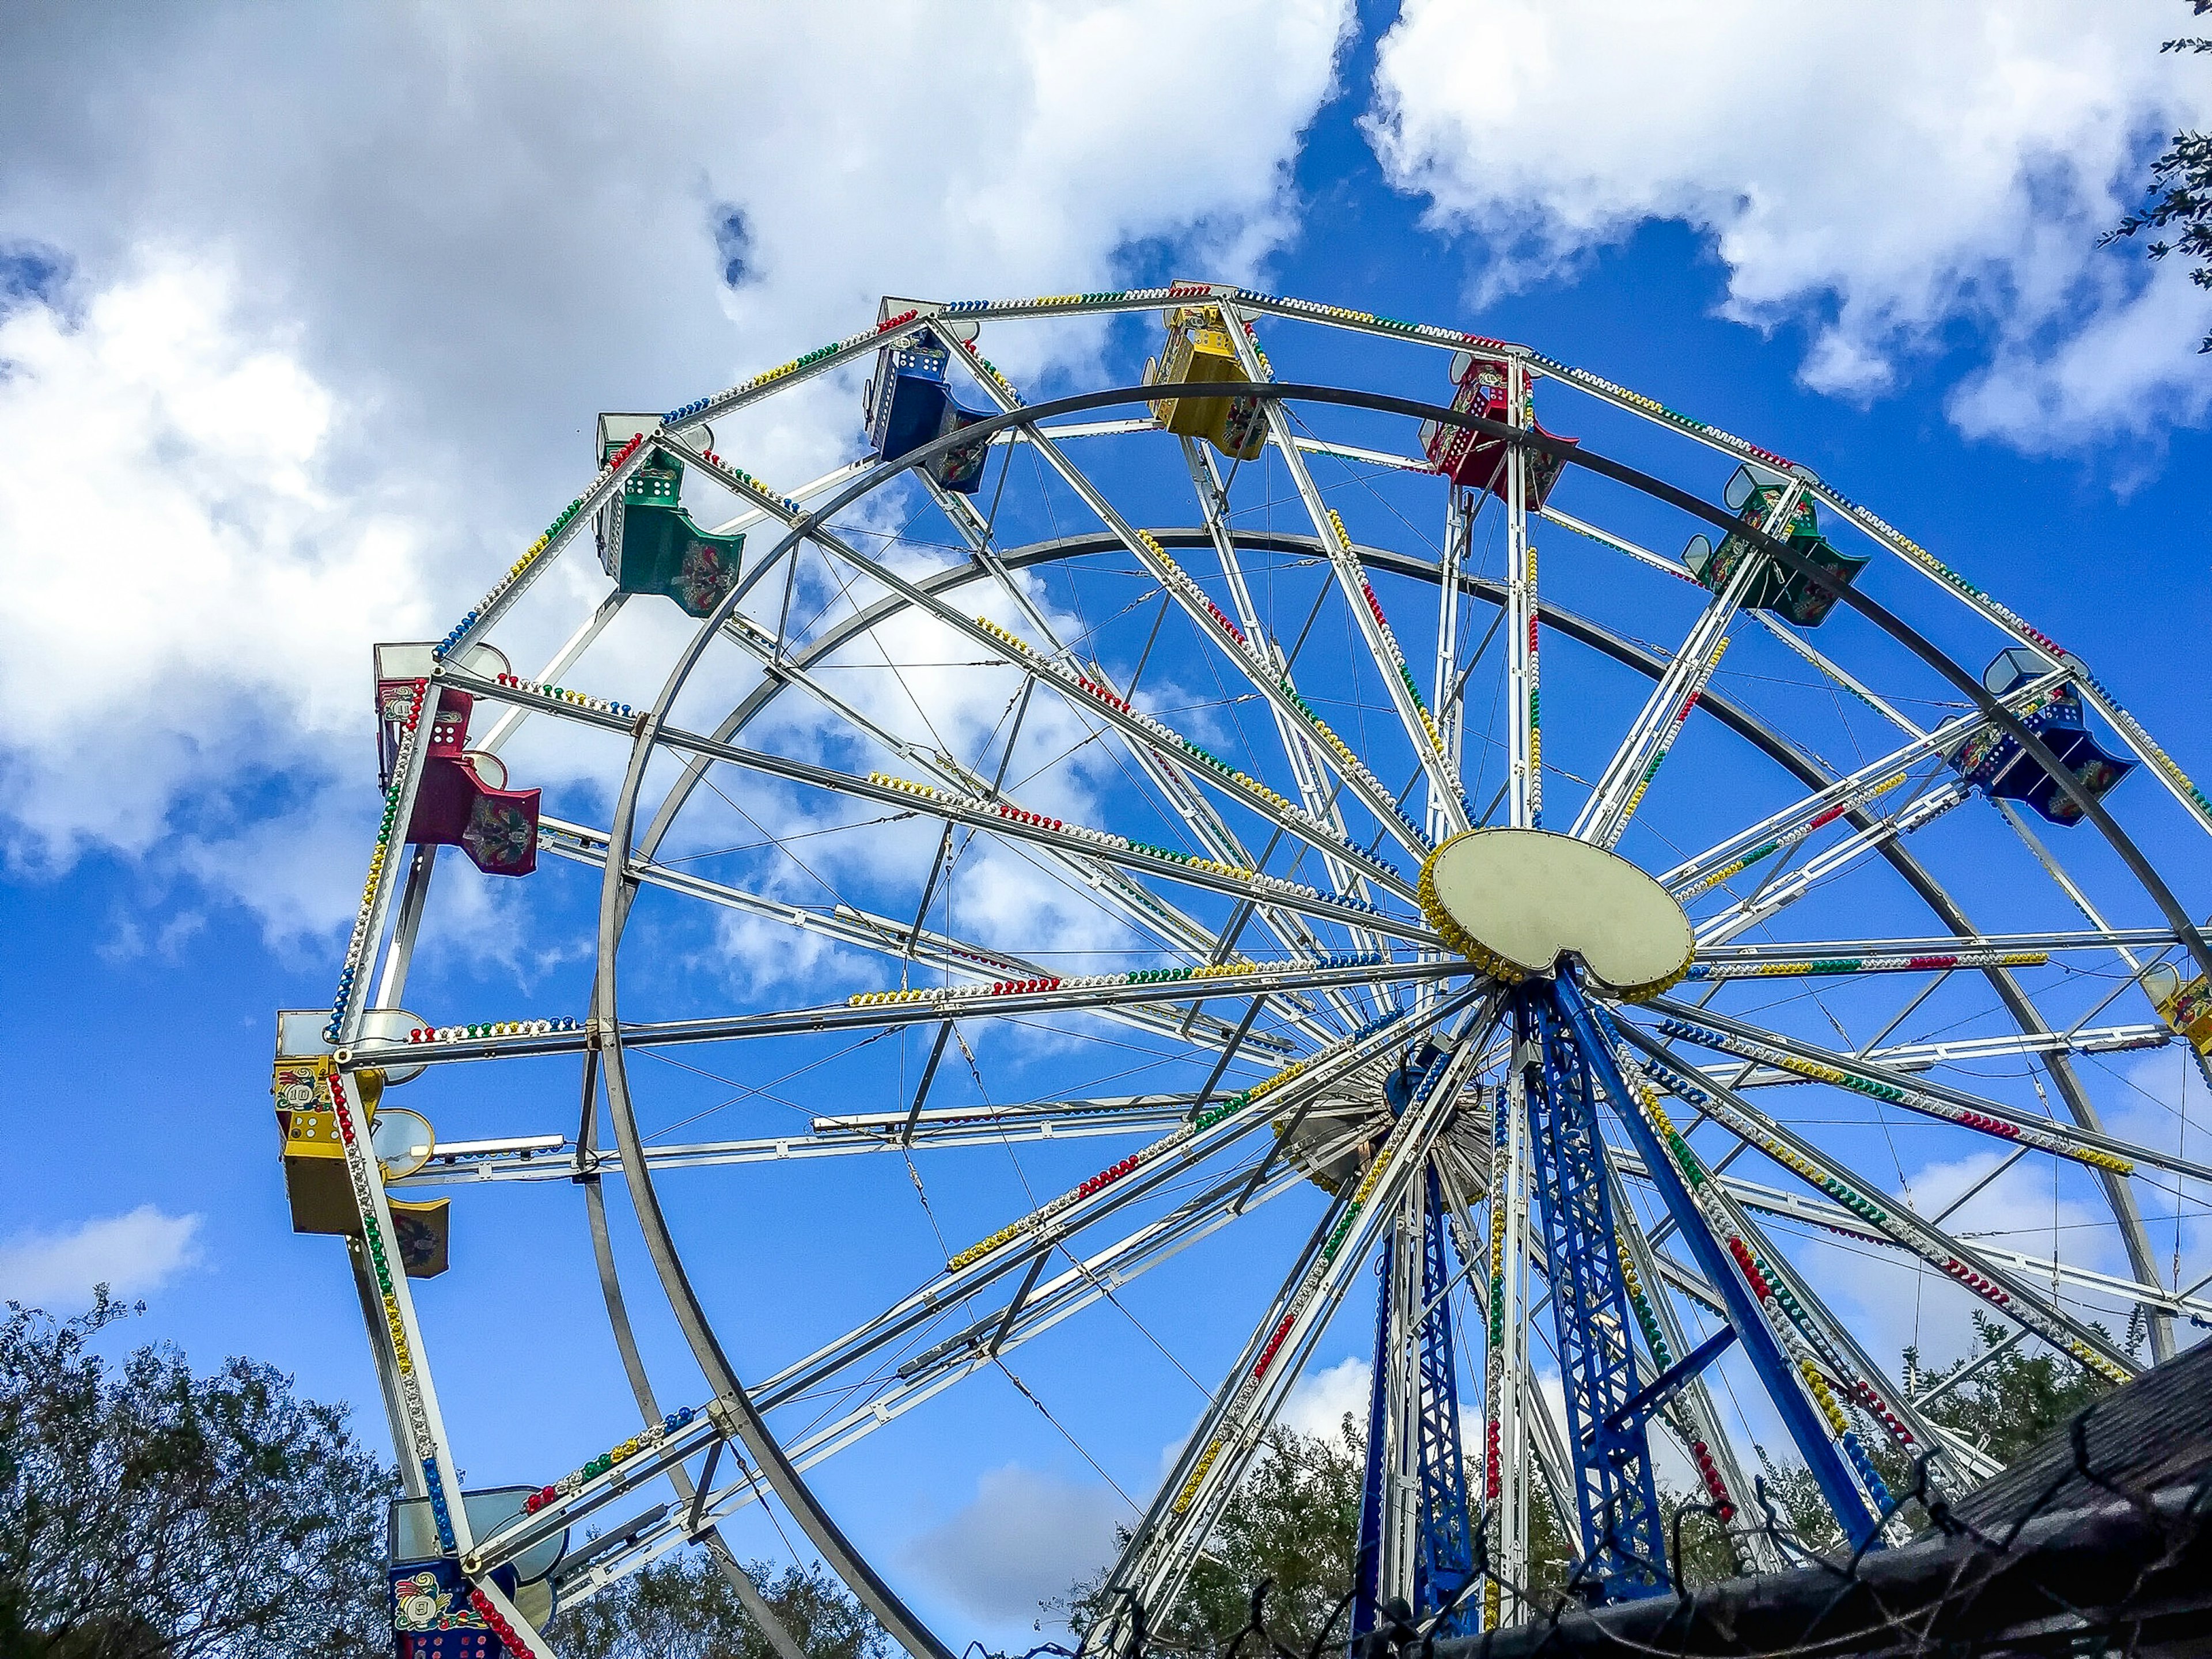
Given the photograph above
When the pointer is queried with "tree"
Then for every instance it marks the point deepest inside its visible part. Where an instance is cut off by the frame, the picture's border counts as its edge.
(684, 1608)
(147, 1513)
(2014, 1400)
(2178, 197)
(1294, 1521)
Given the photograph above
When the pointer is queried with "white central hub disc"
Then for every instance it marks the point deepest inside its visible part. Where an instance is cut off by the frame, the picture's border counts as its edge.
(1513, 902)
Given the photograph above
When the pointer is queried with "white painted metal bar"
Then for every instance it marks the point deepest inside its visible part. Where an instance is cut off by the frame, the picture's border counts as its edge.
(1525, 733)
(1359, 596)
(1866, 1076)
(1793, 822)
(1507, 1361)
(551, 1158)
(2122, 940)
(1621, 786)
(1724, 925)
(849, 924)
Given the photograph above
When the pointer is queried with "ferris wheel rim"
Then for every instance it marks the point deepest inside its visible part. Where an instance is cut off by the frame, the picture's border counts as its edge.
(644, 743)
(797, 535)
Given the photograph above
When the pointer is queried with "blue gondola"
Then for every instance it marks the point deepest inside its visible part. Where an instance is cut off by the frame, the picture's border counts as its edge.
(432, 1617)
(909, 404)
(1995, 764)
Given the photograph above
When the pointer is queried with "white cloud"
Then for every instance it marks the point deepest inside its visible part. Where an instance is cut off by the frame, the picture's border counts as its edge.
(184, 597)
(345, 293)
(1318, 1404)
(1877, 172)
(1888, 1302)
(132, 1254)
(1026, 1537)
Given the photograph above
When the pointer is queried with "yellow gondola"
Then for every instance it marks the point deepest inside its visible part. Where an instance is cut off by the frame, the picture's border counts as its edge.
(2184, 1005)
(315, 1178)
(1199, 349)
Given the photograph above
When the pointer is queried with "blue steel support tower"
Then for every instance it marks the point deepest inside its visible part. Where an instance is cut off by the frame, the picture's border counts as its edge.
(1431, 1470)
(1622, 1533)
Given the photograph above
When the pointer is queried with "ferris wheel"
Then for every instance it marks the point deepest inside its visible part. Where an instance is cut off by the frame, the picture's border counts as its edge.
(1095, 903)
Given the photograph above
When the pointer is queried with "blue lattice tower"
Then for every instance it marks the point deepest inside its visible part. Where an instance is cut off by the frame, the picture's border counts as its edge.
(1414, 1455)
(1617, 1498)
(1447, 1527)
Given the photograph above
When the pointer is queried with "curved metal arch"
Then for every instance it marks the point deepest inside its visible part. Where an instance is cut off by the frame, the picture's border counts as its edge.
(1752, 729)
(744, 1419)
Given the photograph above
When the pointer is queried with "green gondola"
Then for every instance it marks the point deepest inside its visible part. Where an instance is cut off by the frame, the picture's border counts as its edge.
(1787, 594)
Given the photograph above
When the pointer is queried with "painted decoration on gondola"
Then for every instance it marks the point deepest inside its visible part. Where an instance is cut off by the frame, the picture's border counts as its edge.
(1788, 594)
(653, 546)
(431, 1616)
(1476, 460)
(1994, 762)
(457, 804)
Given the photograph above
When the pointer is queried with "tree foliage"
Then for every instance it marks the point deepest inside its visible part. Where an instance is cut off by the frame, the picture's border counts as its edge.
(2014, 1400)
(147, 1513)
(684, 1608)
(1294, 1521)
(2176, 209)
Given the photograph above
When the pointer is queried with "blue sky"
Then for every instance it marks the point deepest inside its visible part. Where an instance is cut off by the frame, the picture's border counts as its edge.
(304, 318)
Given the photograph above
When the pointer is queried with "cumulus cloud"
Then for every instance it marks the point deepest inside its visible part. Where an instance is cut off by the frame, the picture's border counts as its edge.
(1875, 173)
(319, 333)
(131, 1253)
(185, 595)
(1318, 1404)
(1026, 1537)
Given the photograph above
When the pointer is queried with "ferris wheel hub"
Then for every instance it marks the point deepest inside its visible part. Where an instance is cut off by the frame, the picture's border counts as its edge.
(1514, 901)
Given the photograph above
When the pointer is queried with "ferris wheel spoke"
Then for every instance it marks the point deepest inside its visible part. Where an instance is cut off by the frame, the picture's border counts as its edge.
(1939, 946)
(1174, 748)
(848, 924)
(1044, 1227)
(1449, 681)
(1832, 1217)
(1163, 1548)
(1921, 1056)
(1628, 773)
(1414, 719)
(1003, 819)
(1775, 895)
(1792, 824)
(875, 1010)
(1213, 625)
(1182, 796)
(1861, 1074)
(552, 1157)
(2011, 1297)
